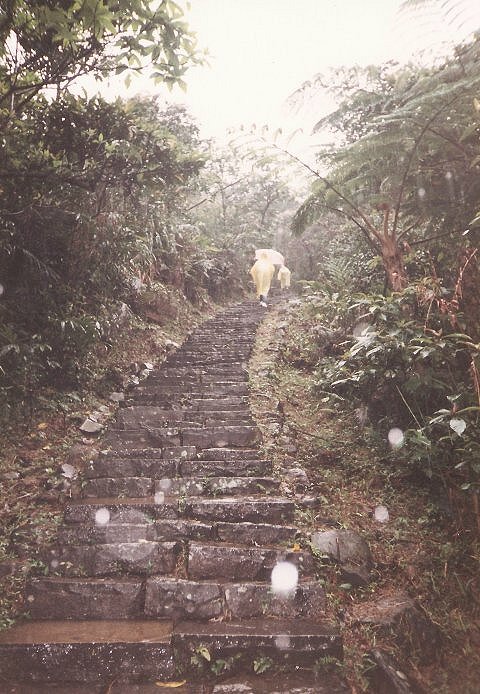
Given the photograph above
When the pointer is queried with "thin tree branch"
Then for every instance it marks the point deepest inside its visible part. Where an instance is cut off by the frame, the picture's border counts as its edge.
(412, 154)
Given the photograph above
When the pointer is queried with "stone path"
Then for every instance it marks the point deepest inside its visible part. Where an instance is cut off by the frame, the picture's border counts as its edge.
(162, 570)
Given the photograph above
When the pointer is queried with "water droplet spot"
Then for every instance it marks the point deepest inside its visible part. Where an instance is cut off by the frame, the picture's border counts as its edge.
(284, 579)
(102, 516)
(282, 642)
(396, 437)
(381, 514)
(165, 485)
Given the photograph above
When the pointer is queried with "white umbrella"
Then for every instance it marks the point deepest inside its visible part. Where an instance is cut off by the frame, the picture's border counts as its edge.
(269, 254)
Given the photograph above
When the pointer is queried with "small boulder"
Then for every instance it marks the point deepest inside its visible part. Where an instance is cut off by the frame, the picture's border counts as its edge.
(349, 550)
(90, 426)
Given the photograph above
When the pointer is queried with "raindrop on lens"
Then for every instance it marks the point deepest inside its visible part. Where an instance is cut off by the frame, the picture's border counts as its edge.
(396, 437)
(102, 516)
(165, 485)
(54, 564)
(2, 289)
(284, 578)
(282, 642)
(381, 514)
(422, 192)
(159, 497)
(449, 175)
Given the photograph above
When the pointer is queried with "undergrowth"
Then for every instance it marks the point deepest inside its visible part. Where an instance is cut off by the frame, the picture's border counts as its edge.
(429, 548)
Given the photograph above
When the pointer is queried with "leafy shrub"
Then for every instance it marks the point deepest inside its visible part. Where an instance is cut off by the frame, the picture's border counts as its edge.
(421, 379)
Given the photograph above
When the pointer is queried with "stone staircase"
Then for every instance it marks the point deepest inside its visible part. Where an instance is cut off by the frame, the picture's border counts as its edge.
(162, 569)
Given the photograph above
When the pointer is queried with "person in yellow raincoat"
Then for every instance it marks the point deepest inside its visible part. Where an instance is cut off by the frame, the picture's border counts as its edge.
(284, 277)
(262, 272)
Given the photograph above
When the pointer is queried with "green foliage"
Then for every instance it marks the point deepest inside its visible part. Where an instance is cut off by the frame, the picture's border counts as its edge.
(405, 166)
(411, 370)
(48, 43)
(262, 664)
(84, 188)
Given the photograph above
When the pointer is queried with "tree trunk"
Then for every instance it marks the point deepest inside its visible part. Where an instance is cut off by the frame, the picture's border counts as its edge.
(392, 257)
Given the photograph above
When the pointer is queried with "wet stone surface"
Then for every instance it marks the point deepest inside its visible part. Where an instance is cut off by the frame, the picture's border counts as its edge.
(180, 520)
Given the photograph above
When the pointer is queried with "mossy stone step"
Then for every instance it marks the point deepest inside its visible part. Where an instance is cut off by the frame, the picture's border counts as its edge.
(241, 509)
(60, 597)
(259, 509)
(179, 486)
(185, 599)
(237, 563)
(288, 643)
(178, 530)
(87, 652)
(139, 558)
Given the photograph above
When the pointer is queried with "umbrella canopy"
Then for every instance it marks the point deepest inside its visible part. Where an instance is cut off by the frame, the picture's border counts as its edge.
(270, 254)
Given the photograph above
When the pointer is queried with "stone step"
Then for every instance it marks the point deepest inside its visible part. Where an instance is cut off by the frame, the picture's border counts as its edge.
(151, 454)
(195, 376)
(161, 469)
(140, 558)
(87, 652)
(178, 486)
(229, 454)
(178, 599)
(102, 512)
(220, 388)
(241, 436)
(222, 437)
(225, 468)
(199, 401)
(306, 682)
(209, 359)
(259, 509)
(241, 509)
(233, 563)
(52, 598)
(286, 643)
(236, 370)
(134, 417)
(178, 530)
(161, 530)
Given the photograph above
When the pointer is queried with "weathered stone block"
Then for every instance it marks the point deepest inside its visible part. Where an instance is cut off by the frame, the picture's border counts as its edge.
(230, 563)
(241, 510)
(84, 598)
(136, 487)
(256, 533)
(350, 550)
(180, 599)
(90, 652)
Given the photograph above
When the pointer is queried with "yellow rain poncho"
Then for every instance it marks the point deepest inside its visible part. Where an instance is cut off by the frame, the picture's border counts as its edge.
(284, 277)
(262, 272)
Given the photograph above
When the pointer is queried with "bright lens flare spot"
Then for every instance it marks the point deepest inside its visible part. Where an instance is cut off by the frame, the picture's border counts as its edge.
(165, 485)
(159, 497)
(284, 579)
(396, 437)
(282, 642)
(102, 516)
(381, 514)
